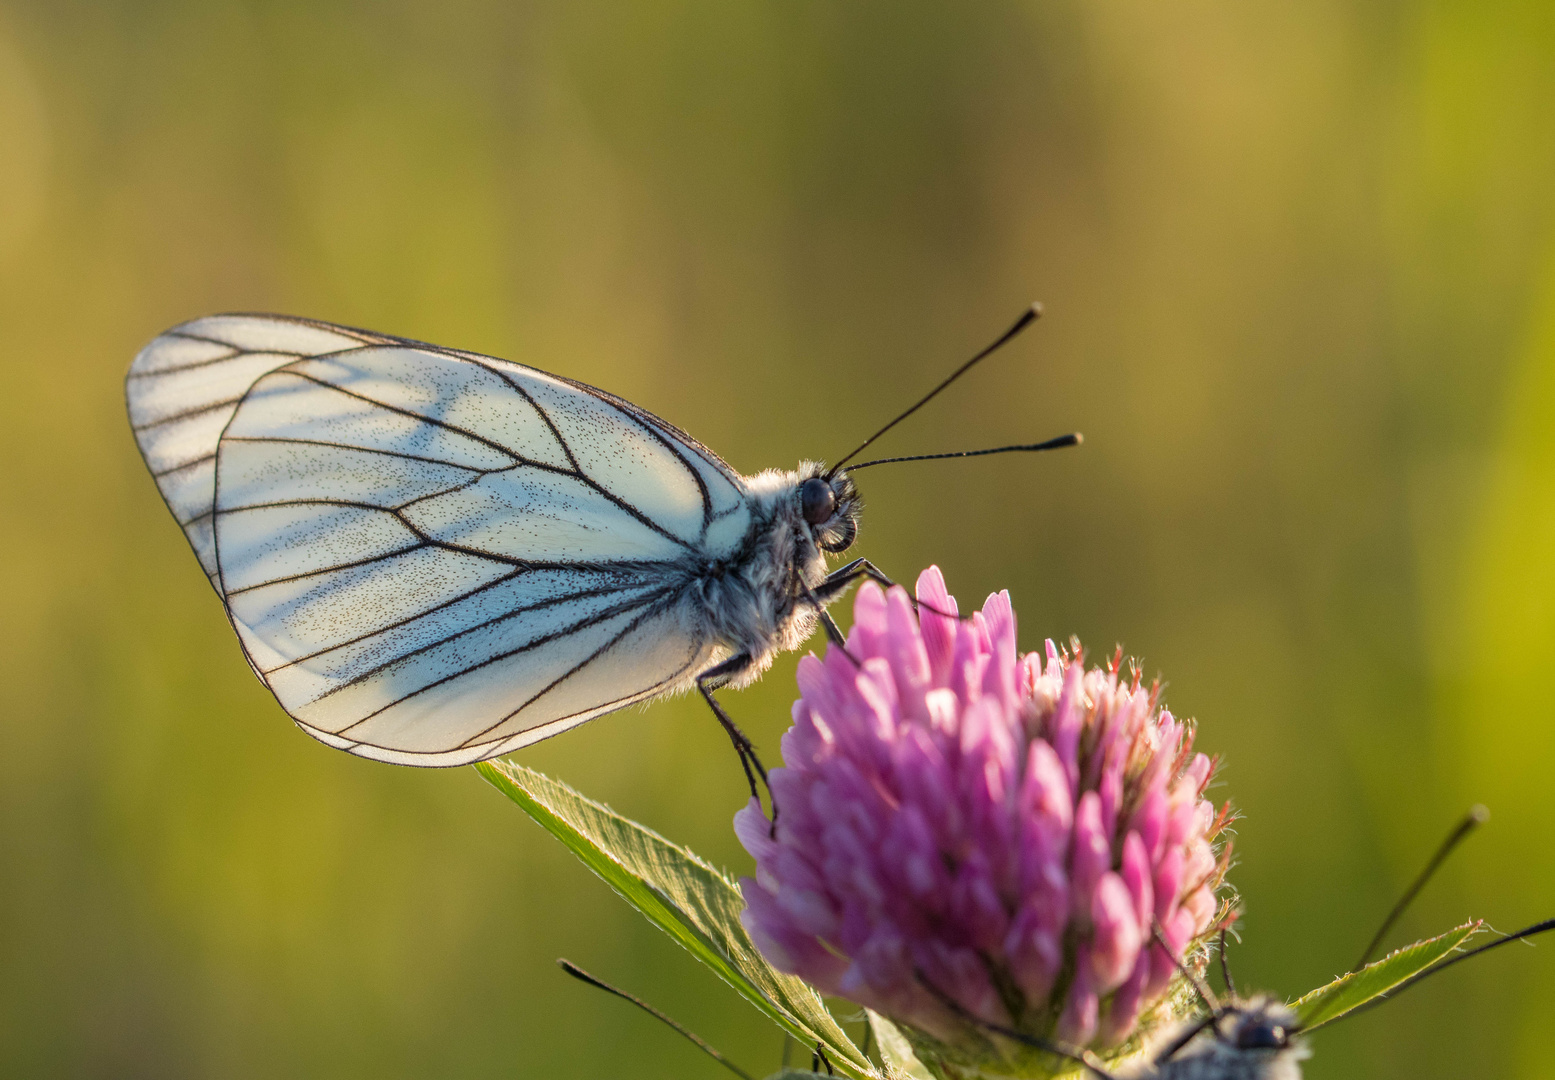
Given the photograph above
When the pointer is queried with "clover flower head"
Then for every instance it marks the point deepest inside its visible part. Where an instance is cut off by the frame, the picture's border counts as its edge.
(967, 834)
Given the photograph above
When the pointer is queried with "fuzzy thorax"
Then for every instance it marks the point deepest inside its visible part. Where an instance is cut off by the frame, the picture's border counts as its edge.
(1254, 1039)
(755, 602)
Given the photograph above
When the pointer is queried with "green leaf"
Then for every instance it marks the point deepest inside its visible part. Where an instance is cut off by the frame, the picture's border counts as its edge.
(1348, 992)
(896, 1051)
(796, 1074)
(696, 904)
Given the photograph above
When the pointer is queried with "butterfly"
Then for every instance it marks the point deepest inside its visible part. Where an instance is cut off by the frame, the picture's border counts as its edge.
(433, 557)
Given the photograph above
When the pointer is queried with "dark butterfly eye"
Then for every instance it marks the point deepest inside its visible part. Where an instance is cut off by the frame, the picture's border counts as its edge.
(1261, 1035)
(817, 500)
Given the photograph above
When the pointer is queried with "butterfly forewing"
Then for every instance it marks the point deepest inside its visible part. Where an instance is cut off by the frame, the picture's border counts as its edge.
(431, 557)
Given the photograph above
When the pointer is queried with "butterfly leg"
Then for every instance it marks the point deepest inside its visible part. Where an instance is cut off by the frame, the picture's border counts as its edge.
(833, 631)
(710, 680)
(1225, 965)
(840, 578)
(835, 585)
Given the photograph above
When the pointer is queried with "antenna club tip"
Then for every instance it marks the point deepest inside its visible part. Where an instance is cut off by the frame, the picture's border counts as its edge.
(1036, 309)
(1079, 440)
(1479, 813)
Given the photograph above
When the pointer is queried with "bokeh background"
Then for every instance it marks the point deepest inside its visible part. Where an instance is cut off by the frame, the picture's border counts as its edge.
(1299, 268)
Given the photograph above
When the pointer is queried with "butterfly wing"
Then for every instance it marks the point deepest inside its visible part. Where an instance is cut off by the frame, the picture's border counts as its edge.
(184, 387)
(433, 557)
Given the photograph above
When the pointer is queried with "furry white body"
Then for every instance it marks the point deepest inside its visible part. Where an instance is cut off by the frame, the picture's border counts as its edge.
(748, 602)
(433, 557)
(1218, 1062)
(1225, 1050)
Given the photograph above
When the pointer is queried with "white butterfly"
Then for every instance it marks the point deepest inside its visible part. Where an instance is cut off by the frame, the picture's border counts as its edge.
(433, 557)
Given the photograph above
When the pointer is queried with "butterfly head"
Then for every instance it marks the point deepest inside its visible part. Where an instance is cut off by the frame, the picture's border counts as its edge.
(1259, 1024)
(830, 505)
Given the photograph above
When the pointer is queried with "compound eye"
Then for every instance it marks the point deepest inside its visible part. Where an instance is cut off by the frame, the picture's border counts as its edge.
(817, 500)
(1261, 1036)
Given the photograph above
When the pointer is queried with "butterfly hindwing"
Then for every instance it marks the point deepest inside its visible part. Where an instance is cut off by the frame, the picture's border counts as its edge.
(183, 388)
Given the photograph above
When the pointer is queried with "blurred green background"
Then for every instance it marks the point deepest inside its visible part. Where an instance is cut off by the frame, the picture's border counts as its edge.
(1299, 268)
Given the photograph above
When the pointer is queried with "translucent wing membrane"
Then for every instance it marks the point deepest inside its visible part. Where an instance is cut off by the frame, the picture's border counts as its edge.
(431, 557)
(185, 386)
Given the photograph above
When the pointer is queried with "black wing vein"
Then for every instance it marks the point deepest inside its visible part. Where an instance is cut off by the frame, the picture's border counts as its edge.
(570, 672)
(528, 646)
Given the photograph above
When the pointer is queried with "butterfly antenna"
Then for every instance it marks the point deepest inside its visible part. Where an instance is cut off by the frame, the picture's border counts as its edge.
(1476, 817)
(1200, 987)
(1072, 439)
(582, 976)
(1078, 1055)
(1225, 965)
(1521, 935)
(1026, 319)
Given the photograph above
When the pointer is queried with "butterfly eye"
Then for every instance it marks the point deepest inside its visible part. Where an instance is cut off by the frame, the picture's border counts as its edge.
(1261, 1035)
(817, 500)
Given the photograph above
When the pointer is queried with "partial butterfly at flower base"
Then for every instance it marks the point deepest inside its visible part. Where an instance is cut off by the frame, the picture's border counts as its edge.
(1261, 1038)
(433, 557)
(1236, 1038)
